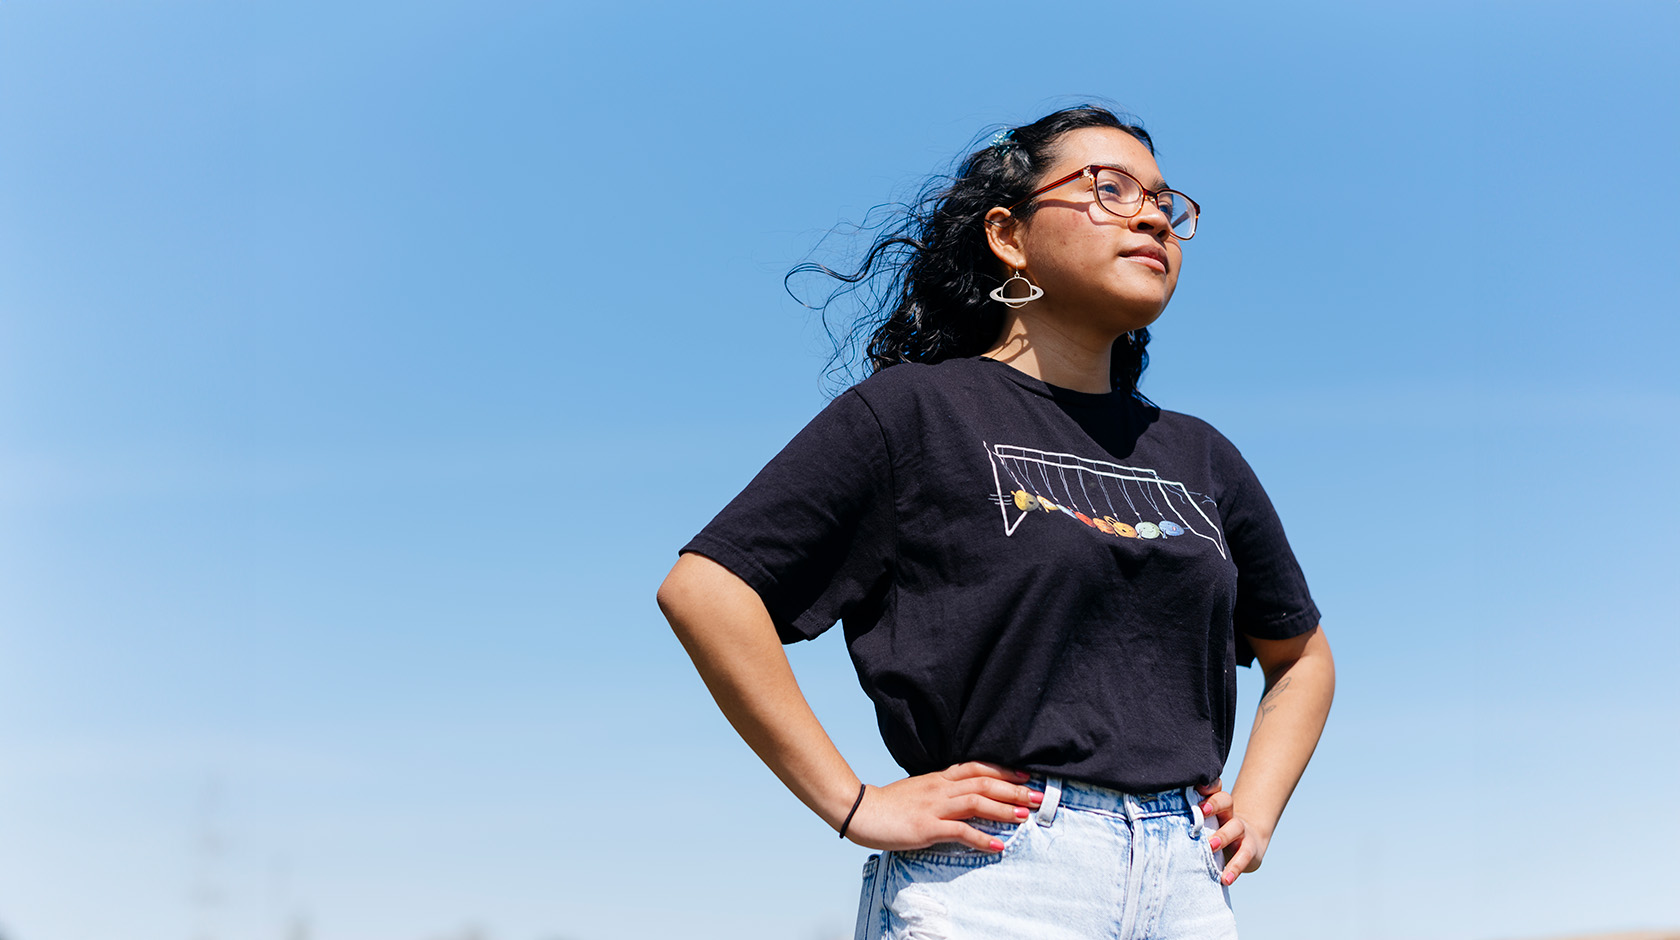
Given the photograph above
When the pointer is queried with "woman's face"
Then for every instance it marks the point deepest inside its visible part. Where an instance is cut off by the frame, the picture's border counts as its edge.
(1097, 269)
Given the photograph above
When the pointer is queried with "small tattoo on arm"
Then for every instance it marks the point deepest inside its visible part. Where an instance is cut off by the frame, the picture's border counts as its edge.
(1267, 703)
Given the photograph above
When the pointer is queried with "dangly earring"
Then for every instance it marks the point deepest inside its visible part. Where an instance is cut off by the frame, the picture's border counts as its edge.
(1033, 292)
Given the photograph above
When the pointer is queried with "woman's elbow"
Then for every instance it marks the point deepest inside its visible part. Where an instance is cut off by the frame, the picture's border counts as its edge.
(699, 590)
(676, 592)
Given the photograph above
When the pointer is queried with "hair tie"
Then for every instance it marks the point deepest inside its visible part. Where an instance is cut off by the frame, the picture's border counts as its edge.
(855, 804)
(1003, 141)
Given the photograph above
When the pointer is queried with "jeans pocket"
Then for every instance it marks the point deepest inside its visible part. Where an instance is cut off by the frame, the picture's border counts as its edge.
(1215, 860)
(1006, 832)
(869, 900)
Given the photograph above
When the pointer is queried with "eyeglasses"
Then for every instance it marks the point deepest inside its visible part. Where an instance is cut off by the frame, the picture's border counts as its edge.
(1121, 194)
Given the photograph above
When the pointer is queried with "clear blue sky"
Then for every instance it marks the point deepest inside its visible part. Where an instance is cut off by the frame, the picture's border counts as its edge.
(362, 366)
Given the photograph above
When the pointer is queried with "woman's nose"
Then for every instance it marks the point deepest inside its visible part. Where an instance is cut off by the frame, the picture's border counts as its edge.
(1151, 217)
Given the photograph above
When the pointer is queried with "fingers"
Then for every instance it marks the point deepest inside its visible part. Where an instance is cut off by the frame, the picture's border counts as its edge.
(1239, 850)
(975, 805)
(991, 792)
(1017, 794)
(980, 768)
(1218, 806)
(1236, 864)
(987, 791)
(973, 838)
(1227, 834)
(919, 811)
(990, 799)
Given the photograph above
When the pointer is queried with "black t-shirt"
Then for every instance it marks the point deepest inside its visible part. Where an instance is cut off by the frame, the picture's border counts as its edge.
(1053, 580)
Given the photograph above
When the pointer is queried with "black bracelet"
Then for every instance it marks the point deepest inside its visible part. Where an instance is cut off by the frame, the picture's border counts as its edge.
(855, 804)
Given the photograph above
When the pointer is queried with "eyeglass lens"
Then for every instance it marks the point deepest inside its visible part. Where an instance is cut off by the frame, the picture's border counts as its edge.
(1123, 196)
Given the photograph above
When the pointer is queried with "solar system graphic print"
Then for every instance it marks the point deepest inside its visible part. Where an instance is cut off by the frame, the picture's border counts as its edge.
(1116, 500)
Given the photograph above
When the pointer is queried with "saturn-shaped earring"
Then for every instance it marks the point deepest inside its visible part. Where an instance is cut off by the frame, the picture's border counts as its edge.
(1001, 292)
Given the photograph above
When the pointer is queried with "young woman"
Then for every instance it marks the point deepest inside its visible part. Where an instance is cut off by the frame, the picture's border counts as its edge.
(1046, 581)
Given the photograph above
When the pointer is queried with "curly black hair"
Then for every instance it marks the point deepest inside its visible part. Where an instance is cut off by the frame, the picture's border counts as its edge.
(929, 270)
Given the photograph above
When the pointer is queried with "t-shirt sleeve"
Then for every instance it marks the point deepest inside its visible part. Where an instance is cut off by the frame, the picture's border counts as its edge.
(1272, 598)
(812, 533)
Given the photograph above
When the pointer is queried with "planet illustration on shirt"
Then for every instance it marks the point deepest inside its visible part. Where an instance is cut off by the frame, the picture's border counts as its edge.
(1028, 478)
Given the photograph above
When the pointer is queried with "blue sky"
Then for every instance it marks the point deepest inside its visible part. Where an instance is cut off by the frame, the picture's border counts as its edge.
(362, 367)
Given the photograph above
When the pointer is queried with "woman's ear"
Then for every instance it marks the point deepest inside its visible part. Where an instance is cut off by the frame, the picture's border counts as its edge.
(1003, 235)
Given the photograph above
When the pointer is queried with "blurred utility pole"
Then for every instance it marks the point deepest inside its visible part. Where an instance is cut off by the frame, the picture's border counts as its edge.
(208, 849)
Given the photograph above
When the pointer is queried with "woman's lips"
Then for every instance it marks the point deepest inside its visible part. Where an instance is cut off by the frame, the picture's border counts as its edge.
(1147, 261)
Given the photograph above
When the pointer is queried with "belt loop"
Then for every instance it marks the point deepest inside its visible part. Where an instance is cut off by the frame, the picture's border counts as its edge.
(1194, 801)
(1131, 804)
(1052, 799)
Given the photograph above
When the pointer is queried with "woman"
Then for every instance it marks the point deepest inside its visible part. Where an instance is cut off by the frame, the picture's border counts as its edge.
(1046, 582)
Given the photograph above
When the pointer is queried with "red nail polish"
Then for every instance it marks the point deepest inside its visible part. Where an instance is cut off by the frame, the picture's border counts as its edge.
(1021, 812)
(997, 845)
(1214, 843)
(1035, 797)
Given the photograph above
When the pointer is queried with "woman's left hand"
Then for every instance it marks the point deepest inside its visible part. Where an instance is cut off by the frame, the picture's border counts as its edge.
(1244, 843)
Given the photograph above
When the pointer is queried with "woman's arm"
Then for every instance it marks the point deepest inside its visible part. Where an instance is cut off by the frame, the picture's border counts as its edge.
(1300, 680)
(729, 634)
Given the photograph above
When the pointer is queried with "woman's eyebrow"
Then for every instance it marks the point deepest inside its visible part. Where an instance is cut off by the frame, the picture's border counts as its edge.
(1158, 184)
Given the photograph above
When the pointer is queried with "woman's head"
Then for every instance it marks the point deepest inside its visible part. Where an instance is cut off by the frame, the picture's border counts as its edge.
(1096, 236)
(941, 265)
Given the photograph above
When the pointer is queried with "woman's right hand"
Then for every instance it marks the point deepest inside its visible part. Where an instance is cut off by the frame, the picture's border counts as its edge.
(917, 812)
(727, 630)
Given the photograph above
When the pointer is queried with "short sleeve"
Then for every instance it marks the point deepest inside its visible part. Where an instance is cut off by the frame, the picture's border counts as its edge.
(812, 532)
(1272, 598)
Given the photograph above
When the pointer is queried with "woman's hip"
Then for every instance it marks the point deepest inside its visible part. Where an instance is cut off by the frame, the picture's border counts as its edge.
(1089, 862)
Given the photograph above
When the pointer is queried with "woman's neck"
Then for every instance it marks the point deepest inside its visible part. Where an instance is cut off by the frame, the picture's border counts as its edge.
(1056, 356)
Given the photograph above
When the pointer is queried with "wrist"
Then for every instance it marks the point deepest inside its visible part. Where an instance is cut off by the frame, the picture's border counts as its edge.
(1260, 823)
(837, 802)
(856, 802)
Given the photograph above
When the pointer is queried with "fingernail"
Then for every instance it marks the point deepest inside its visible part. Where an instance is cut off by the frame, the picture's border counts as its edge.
(997, 845)
(1023, 775)
(1227, 878)
(1214, 843)
(1021, 812)
(1205, 810)
(1034, 797)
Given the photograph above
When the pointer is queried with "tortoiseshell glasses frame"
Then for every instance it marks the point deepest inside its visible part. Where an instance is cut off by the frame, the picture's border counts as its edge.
(1181, 211)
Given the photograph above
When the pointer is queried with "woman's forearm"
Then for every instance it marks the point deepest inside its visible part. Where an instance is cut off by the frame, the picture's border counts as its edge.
(728, 633)
(1300, 681)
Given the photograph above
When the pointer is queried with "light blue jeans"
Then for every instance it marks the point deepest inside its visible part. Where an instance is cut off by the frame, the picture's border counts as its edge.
(1090, 862)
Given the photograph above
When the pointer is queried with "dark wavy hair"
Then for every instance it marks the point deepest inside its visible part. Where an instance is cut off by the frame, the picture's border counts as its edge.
(923, 285)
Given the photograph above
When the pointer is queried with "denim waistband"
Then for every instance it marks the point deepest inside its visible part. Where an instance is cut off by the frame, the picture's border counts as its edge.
(1073, 794)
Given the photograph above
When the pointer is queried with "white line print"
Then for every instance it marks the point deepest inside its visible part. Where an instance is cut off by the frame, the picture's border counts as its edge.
(1102, 472)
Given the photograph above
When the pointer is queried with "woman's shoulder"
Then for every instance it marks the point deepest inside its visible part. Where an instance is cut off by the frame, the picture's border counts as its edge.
(911, 380)
(1184, 422)
(1190, 429)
